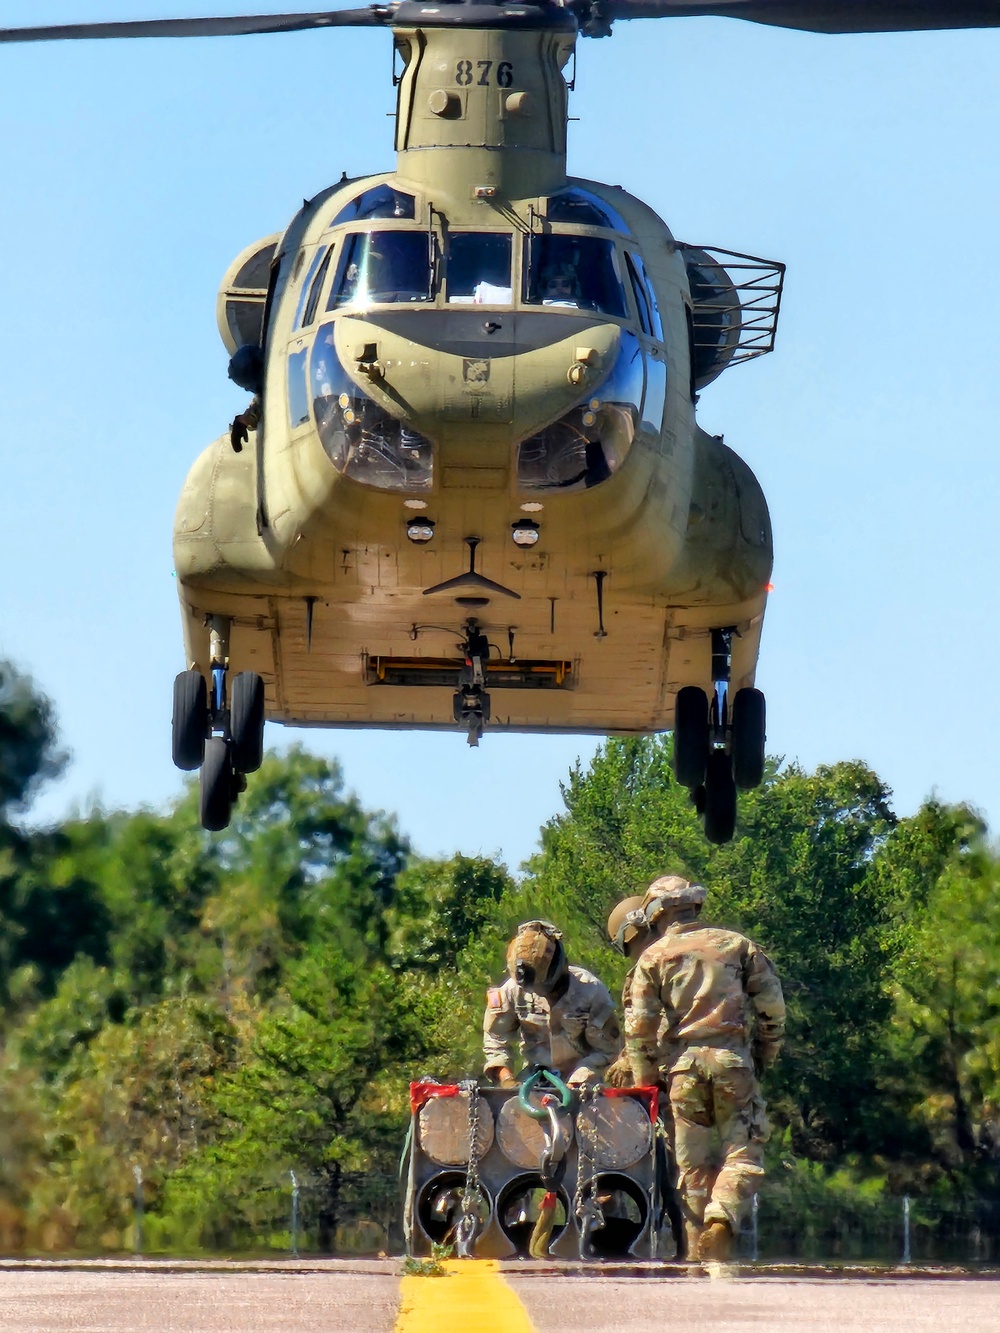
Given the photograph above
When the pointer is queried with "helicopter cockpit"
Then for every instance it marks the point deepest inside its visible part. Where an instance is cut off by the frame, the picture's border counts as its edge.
(575, 257)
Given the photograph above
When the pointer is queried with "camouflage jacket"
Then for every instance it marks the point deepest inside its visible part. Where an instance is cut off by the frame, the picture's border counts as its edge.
(578, 1034)
(700, 986)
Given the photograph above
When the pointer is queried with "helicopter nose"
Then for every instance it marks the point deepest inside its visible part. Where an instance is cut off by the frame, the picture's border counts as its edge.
(459, 375)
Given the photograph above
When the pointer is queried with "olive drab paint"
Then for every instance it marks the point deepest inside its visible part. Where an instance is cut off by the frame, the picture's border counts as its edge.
(551, 388)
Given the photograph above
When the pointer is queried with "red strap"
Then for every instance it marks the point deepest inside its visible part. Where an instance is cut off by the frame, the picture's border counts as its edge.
(649, 1094)
(423, 1092)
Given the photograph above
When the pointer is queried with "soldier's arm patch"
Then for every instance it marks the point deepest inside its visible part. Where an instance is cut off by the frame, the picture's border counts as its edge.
(494, 998)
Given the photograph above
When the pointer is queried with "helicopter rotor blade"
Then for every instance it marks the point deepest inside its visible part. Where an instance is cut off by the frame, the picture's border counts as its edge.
(827, 16)
(237, 26)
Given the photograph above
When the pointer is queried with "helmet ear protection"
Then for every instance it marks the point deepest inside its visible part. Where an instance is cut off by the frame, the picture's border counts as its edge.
(536, 957)
(626, 921)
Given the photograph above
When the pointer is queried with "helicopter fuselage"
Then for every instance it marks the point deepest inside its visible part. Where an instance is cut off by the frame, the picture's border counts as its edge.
(476, 404)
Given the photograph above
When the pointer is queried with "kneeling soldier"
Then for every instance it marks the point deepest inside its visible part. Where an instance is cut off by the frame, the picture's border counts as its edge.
(562, 1017)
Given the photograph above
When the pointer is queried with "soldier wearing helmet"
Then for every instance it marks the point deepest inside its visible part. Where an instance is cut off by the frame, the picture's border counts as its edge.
(704, 1012)
(629, 932)
(561, 1016)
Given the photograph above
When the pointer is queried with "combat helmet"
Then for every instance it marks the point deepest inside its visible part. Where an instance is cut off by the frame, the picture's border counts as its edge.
(536, 957)
(668, 892)
(626, 922)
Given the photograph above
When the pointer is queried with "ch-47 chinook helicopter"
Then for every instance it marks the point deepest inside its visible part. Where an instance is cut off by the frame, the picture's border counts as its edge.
(470, 488)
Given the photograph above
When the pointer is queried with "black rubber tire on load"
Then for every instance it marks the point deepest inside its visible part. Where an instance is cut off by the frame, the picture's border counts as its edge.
(720, 798)
(216, 788)
(690, 736)
(246, 721)
(189, 725)
(748, 738)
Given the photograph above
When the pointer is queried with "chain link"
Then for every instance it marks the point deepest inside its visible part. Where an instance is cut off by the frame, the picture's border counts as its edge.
(588, 1212)
(469, 1221)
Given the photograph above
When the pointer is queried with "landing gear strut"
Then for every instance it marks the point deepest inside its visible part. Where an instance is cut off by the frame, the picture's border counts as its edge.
(218, 729)
(718, 745)
(471, 702)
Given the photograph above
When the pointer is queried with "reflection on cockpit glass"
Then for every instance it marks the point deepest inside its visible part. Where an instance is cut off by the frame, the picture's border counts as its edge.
(361, 439)
(588, 444)
(581, 272)
(381, 201)
(585, 209)
(379, 267)
(479, 268)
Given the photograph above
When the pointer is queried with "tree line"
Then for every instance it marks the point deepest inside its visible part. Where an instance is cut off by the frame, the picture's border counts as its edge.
(198, 1015)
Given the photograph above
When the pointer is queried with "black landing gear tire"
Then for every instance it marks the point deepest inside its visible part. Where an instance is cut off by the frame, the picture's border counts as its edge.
(748, 738)
(246, 721)
(189, 726)
(216, 788)
(720, 798)
(690, 736)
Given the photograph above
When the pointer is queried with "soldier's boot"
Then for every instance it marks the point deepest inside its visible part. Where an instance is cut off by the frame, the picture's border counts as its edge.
(715, 1244)
(692, 1240)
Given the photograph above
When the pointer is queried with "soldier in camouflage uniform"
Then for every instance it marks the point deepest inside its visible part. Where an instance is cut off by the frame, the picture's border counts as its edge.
(705, 1012)
(629, 932)
(562, 1017)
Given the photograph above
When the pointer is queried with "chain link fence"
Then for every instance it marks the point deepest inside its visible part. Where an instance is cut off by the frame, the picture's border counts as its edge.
(292, 1215)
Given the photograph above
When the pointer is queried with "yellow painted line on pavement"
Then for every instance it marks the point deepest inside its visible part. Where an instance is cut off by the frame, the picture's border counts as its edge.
(471, 1297)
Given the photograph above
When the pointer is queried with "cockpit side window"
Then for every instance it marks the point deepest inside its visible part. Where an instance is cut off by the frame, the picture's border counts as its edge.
(321, 257)
(585, 209)
(316, 287)
(479, 268)
(645, 297)
(381, 267)
(380, 201)
(578, 272)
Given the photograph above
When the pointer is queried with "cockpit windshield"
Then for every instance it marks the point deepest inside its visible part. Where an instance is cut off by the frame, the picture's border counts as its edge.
(380, 267)
(479, 268)
(579, 272)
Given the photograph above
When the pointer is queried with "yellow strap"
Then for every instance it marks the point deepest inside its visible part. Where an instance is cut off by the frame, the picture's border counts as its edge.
(472, 1297)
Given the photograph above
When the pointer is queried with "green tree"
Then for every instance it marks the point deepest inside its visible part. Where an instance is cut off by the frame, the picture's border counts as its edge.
(28, 753)
(798, 878)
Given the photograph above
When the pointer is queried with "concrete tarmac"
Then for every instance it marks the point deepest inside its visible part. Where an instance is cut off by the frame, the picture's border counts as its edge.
(327, 1296)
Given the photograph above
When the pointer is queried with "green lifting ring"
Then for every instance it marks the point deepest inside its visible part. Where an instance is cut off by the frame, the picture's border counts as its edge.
(558, 1086)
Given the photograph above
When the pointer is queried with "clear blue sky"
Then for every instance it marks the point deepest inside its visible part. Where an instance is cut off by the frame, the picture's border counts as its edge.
(133, 172)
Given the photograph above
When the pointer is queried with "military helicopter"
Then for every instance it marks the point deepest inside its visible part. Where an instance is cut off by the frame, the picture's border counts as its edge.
(470, 489)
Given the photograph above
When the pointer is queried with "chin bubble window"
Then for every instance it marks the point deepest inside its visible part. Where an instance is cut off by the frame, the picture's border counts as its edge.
(575, 272)
(587, 445)
(382, 268)
(478, 270)
(360, 438)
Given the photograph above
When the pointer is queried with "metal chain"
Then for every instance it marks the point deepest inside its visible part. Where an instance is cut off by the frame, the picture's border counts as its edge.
(469, 1221)
(588, 1212)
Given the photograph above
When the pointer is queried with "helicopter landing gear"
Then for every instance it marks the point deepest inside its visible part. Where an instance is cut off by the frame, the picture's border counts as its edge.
(471, 702)
(189, 725)
(718, 747)
(218, 729)
(216, 785)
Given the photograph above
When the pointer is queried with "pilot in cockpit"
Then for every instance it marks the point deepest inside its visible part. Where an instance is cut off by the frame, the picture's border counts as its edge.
(560, 286)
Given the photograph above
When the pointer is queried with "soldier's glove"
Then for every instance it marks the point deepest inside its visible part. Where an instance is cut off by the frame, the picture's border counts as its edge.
(619, 1075)
(500, 1076)
(239, 431)
(582, 1078)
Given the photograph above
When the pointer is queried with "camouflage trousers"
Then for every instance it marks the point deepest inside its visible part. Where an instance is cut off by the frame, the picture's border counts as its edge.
(719, 1131)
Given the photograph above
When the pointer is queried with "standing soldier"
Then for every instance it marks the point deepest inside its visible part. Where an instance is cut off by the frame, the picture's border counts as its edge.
(562, 1017)
(629, 933)
(705, 1011)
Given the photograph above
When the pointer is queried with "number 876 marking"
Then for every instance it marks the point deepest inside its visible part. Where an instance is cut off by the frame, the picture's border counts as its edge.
(502, 76)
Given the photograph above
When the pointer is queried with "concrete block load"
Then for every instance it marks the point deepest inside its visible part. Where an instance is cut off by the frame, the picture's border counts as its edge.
(537, 1170)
